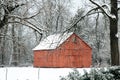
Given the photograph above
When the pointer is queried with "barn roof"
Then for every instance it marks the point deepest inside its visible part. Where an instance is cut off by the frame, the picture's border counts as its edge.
(53, 41)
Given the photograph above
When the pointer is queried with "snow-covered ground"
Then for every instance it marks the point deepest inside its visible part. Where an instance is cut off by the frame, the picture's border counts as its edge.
(30, 73)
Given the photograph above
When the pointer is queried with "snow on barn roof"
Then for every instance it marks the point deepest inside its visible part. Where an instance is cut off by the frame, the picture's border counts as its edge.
(53, 41)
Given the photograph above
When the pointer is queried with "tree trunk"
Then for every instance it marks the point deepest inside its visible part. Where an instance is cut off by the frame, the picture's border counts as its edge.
(15, 53)
(3, 32)
(113, 32)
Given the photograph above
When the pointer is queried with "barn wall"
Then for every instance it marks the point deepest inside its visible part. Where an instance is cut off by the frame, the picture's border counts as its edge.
(72, 53)
(74, 42)
(40, 58)
(62, 58)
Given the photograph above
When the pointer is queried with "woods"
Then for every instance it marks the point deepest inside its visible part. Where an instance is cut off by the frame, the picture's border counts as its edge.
(113, 17)
(24, 23)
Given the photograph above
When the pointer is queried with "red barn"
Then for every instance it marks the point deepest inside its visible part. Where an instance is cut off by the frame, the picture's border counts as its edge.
(65, 50)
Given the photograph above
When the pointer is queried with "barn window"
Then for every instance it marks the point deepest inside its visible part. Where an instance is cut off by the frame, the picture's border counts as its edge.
(74, 40)
(60, 48)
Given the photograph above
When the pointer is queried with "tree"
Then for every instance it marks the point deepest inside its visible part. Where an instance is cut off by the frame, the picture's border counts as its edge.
(24, 21)
(54, 15)
(113, 17)
(95, 34)
(9, 15)
(114, 33)
(113, 26)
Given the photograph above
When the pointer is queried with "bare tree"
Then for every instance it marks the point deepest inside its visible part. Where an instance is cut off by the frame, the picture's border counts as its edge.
(113, 18)
(34, 17)
(9, 9)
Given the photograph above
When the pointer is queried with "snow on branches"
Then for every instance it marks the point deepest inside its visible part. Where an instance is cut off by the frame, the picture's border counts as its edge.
(105, 8)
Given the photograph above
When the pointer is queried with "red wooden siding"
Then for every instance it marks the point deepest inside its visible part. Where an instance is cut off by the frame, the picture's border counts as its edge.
(73, 52)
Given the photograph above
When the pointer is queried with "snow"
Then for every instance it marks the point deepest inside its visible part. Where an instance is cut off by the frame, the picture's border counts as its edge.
(106, 9)
(52, 41)
(117, 35)
(30, 73)
(2, 73)
(113, 16)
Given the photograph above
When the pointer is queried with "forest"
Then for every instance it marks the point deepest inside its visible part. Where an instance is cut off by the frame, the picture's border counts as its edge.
(24, 23)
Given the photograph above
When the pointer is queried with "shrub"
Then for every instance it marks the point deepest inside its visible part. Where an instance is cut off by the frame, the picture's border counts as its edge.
(112, 73)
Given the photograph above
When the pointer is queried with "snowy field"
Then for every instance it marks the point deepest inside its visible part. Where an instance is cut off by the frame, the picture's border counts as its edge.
(30, 73)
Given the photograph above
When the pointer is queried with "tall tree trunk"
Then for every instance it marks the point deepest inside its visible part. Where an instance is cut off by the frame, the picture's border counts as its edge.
(3, 32)
(15, 53)
(113, 32)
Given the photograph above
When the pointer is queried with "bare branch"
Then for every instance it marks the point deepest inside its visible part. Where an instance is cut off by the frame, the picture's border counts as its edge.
(34, 14)
(87, 14)
(32, 27)
(8, 10)
(101, 8)
(11, 8)
(118, 9)
(25, 20)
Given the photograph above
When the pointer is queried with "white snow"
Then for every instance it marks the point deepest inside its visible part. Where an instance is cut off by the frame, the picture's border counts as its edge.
(52, 41)
(30, 73)
(109, 14)
(2, 73)
(117, 35)
(105, 9)
(113, 16)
